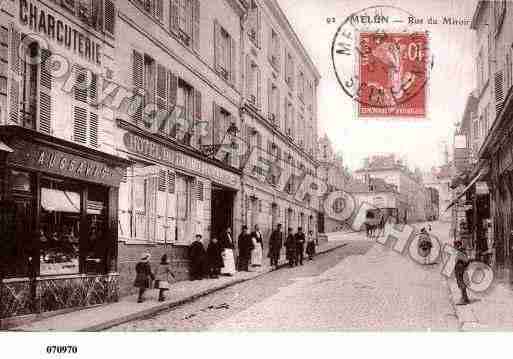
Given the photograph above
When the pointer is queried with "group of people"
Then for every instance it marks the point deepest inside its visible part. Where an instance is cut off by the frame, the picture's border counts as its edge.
(218, 257)
(295, 246)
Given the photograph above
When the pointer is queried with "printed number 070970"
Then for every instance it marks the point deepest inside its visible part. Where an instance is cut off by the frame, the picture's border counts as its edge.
(61, 349)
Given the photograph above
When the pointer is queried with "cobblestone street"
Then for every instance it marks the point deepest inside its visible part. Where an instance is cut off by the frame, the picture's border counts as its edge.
(358, 287)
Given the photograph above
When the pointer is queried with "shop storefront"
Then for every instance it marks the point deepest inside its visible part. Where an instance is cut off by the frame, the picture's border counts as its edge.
(58, 206)
(172, 192)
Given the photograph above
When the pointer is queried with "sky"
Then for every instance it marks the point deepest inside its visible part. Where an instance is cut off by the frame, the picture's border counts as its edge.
(420, 143)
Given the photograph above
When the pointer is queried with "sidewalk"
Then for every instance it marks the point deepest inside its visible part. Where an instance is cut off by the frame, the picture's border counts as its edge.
(488, 311)
(127, 309)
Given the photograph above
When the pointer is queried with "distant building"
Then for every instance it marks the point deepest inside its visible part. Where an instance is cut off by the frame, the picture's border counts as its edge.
(409, 184)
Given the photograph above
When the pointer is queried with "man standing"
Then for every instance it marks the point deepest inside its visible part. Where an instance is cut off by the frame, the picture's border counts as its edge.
(291, 247)
(300, 243)
(459, 272)
(275, 243)
(245, 247)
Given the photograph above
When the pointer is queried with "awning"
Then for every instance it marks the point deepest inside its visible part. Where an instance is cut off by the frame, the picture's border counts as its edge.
(481, 173)
(5, 148)
(54, 200)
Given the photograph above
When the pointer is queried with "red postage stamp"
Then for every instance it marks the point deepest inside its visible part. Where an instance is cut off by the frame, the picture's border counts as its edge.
(393, 73)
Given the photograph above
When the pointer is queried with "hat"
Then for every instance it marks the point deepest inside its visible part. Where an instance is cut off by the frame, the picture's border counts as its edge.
(145, 256)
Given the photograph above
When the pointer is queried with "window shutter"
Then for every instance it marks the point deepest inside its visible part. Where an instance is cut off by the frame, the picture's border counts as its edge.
(45, 96)
(80, 124)
(172, 83)
(162, 181)
(233, 62)
(248, 76)
(270, 50)
(162, 96)
(217, 45)
(277, 105)
(499, 91)
(217, 125)
(197, 105)
(259, 89)
(79, 89)
(152, 207)
(278, 54)
(286, 115)
(199, 190)
(14, 78)
(196, 25)
(93, 90)
(158, 9)
(259, 29)
(173, 15)
(138, 81)
(109, 19)
(170, 182)
(269, 97)
(93, 129)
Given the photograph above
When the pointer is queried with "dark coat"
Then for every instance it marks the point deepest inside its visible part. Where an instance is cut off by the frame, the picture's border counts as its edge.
(214, 257)
(291, 246)
(144, 276)
(245, 245)
(300, 240)
(310, 248)
(459, 270)
(196, 252)
(226, 242)
(276, 241)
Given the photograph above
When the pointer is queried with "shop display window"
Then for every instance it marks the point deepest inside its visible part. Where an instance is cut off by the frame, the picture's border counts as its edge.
(59, 231)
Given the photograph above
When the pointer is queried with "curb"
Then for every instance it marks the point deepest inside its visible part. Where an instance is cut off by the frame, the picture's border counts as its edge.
(467, 319)
(166, 306)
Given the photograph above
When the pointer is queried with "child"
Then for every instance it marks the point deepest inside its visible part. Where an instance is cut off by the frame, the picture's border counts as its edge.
(310, 245)
(163, 277)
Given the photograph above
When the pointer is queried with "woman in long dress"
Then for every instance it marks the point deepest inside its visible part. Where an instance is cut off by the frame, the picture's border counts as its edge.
(257, 252)
(226, 244)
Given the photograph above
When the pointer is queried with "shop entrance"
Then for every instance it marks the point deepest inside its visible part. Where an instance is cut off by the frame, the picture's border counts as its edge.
(221, 210)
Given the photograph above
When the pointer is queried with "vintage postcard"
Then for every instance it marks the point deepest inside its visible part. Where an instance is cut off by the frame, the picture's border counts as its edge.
(254, 166)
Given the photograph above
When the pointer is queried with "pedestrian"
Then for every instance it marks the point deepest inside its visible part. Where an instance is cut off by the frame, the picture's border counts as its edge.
(163, 277)
(197, 256)
(275, 244)
(310, 245)
(459, 272)
(143, 275)
(258, 244)
(245, 244)
(290, 248)
(227, 247)
(300, 242)
(214, 258)
(429, 226)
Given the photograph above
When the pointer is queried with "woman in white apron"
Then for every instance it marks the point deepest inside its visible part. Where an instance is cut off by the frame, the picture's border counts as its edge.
(257, 252)
(226, 244)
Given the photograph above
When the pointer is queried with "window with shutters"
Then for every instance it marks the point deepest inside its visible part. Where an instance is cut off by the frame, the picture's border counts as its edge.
(508, 69)
(97, 14)
(274, 50)
(222, 121)
(224, 53)
(301, 86)
(84, 111)
(184, 18)
(499, 11)
(253, 83)
(35, 92)
(289, 70)
(185, 102)
(274, 103)
(154, 8)
(254, 26)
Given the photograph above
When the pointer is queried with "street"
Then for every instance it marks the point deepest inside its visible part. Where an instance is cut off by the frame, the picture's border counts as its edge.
(361, 286)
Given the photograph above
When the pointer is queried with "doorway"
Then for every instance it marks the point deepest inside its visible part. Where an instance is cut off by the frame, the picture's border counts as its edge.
(221, 210)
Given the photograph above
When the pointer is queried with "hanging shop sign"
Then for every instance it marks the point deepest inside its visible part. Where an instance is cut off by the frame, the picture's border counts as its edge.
(39, 157)
(146, 147)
